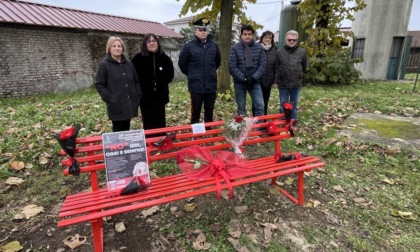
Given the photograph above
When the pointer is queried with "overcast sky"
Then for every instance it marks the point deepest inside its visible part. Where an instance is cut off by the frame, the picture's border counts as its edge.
(264, 12)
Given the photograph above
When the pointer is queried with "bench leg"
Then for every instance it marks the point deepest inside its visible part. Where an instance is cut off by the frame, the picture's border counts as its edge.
(300, 193)
(98, 235)
(300, 187)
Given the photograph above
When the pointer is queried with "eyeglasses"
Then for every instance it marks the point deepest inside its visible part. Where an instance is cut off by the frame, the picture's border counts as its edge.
(202, 29)
(291, 40)
(151, 41)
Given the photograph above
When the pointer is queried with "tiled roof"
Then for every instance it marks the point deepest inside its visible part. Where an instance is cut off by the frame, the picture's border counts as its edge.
(21, 12)
(416, 38)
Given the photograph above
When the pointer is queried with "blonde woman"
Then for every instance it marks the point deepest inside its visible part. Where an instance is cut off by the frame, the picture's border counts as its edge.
(118, 85)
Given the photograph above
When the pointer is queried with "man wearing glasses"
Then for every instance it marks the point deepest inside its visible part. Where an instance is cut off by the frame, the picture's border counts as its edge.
(293, 63)
(199, 60)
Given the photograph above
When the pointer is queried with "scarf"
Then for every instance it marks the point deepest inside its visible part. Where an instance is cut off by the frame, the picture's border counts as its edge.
(247, 52)
(266, 47)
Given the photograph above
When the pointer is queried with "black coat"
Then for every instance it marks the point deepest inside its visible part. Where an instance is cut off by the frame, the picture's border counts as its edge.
(200, 61)
(155, 72)
(292, 64)
(119, 88)
(268, 78)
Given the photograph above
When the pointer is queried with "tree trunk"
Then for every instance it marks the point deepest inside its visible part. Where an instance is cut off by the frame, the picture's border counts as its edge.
(226, 18)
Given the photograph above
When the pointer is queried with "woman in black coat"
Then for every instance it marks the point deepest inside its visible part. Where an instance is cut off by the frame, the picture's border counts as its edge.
(268, 79)
(118, 85)
(155, 71)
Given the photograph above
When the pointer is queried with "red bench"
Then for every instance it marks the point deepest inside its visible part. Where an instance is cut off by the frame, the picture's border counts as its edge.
(93, 206)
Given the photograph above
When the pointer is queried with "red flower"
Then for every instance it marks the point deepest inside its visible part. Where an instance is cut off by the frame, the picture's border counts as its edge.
(166, 144)
(67, 133)
(239, 119)
(287, 106)
(271, 128)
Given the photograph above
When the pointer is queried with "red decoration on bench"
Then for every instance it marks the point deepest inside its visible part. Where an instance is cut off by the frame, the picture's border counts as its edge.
(165, 143)
(198, 163)
(67, 141)
(288, 110)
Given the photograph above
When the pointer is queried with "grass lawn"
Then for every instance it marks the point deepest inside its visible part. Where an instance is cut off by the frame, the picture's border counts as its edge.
(366, 199)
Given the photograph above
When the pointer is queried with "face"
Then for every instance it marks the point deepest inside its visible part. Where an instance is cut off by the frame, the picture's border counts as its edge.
(201, 33)
(152, 45)
(116, 49)
(247, 36)
(291, 40)
(267, 39)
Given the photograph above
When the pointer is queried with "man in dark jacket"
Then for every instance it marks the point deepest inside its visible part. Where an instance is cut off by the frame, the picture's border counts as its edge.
(199, 60)
(247, 64)
(292, 64)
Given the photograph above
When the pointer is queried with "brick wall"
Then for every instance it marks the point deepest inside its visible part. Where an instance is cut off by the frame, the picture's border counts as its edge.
(37, 60)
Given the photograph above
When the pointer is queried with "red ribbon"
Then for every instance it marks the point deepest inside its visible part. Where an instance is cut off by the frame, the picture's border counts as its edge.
(223, 164)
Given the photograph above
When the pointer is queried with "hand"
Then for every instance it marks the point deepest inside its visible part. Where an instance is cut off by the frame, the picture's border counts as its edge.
(248, 82)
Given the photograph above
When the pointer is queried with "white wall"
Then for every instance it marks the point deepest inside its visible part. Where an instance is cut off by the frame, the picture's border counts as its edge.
(379, 23)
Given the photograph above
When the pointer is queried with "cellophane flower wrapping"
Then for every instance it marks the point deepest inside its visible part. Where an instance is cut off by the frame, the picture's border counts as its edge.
(237, 130)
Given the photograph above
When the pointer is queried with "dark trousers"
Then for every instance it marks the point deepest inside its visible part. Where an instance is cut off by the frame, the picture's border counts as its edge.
(266, 91)
(197, 101)
(153, 117)
(121, 125)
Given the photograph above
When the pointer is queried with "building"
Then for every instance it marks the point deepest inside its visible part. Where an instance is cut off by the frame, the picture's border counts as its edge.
(414, 59)
(51, 49)
(380, 31)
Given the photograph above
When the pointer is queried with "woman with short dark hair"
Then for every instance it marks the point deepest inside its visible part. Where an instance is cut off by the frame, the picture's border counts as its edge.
(268, 78)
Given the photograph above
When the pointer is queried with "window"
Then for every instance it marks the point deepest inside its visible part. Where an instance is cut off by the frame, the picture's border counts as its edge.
(358, 48)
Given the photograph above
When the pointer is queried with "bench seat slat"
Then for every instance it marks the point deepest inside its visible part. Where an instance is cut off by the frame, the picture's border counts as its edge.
(177, 184)
(152, 202)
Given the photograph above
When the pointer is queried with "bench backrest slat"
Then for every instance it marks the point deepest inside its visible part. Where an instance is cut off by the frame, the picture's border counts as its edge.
(89, 150)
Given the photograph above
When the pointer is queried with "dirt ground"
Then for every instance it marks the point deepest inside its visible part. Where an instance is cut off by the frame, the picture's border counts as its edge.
(152, 233)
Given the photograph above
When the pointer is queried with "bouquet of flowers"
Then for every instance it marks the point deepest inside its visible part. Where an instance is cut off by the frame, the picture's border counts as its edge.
(237, 130)
(67, 141)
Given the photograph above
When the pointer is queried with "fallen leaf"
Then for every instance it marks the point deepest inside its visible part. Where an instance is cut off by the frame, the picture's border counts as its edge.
(274, 190)
(313, 203)
(74, 241)
(28, 212)
(200, 243)
(14, 181)
(13, 246)
(120, 227)
(289, 181)
(43, 160)
(4, 188)
(17, 165)
(241, 209)
(404, 215)
(338, 188)
(388, 181)
(235, 234)
(360, 200)
(190, 207)
(29, 166)
(150, 211)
